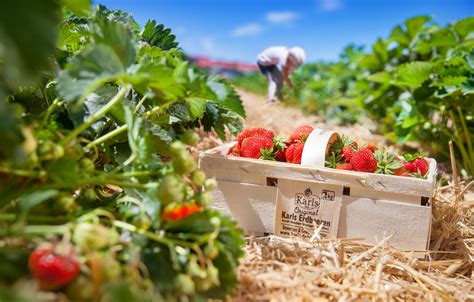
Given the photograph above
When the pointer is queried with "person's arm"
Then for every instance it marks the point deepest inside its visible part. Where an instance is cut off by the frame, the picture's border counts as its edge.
(285, 73)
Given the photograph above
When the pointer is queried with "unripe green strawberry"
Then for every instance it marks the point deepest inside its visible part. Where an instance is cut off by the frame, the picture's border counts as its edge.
(190, 138)
(64, 204)
(50, 151)
(204, 198)
(171, 189)
(198, 177)
(185, 284)
(184, 164)
(93, 236)
(87, 165)
(142, 221)
(81, 289)
(88, 195)
(177, 148)
(210, 184)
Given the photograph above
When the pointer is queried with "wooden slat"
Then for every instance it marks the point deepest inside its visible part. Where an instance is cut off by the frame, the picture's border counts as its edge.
(385, 183)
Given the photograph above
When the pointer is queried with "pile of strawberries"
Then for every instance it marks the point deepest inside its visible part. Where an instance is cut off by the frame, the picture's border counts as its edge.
(262, 143)
(344, 154)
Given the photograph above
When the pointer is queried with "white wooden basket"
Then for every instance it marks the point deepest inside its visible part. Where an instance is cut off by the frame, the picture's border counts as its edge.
(373, 206)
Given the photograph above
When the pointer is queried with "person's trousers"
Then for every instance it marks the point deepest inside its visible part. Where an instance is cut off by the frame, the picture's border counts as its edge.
(275, 81)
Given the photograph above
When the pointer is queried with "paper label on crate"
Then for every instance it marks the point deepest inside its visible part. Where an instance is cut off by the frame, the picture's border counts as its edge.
(304, 207)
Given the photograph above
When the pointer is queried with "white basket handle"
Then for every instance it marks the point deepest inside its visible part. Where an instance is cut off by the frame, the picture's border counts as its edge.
(317, 146)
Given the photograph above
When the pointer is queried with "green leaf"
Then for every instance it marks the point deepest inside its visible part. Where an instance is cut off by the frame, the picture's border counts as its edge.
(93, 67)
(399, 36)
(415, 24)
(382, 77)
(70, 39)
(413, 74)
(28, 31)
(196, 107)
(29, 201)
(226, 96)
(159, 36)
(78, 7)
(11, 135)
(464, 26)
(410, 121)
(63, 171)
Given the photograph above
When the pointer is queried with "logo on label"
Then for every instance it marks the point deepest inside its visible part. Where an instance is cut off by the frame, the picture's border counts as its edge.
(308, 201)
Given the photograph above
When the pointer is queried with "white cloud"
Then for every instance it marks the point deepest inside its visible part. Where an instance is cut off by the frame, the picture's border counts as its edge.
(330, 5)
(250, 29)
(284, 17)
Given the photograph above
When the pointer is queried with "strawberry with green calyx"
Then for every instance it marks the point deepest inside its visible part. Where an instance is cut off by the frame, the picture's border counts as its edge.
(53, 267)
(364, 161)
(280, 143)
(387, 162)
(333, 160)
(342, 142)
(345, 166)
(294, 152)
(180, 212)
(234, 150)
(257, 147)
(254, 132)
(416, 163)
(301, 133)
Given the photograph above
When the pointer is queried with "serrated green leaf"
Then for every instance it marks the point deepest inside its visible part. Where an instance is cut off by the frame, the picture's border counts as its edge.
(159, 36)
(226, 96)
(78, 7)
(399, 36)
(449, 81)
(464, 26)
(415, 24)
(382, 77)
(196, 106)
(413, 74)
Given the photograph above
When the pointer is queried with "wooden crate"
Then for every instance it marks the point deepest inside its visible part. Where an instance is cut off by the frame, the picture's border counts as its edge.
(373, 206)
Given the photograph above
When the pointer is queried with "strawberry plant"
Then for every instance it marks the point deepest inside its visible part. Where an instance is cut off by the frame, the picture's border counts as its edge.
(95, 165)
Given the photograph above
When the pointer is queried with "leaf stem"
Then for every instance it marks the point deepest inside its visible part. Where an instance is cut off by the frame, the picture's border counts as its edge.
(96, 116)
(140, 103)
(25, 173)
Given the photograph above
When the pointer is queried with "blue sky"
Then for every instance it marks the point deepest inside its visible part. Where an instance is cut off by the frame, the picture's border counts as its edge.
(240, 29)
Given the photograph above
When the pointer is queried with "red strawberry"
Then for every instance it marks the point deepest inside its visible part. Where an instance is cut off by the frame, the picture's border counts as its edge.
(51, 269)
(419, 165)
(252, 147)
(280, 143)
(280, 156)
(371, 147)
(345, 166)
(301, 133)
(234, 150)
(400, 170)
(254, 132)
(180, 212)
(347, 153)
(405, 174)
(364, 161)
(294, 152)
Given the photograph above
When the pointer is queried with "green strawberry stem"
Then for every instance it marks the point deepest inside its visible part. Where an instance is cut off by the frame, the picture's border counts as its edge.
(124, 128)
(26, 173)
(96, 116)
(36, 218)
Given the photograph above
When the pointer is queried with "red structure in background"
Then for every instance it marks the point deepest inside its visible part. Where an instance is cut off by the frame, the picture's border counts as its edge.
(225, 68)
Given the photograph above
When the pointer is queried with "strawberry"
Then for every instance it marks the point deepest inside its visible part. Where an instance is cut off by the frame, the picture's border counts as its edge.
(294, 152)
(405, 174)
(180, 212)
(355, 145)
(341, 143)
(234, 150)
(345, 166)
(51, 269)
(419, 165)
(280, 143)
(256, 147)
(347, 152)
(254, 132)
(364, 161)
(301, 133)
(400, 170)
(371, 147)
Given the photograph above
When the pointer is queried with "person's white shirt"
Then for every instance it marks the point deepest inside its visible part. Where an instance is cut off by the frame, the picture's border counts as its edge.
(276, 55)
